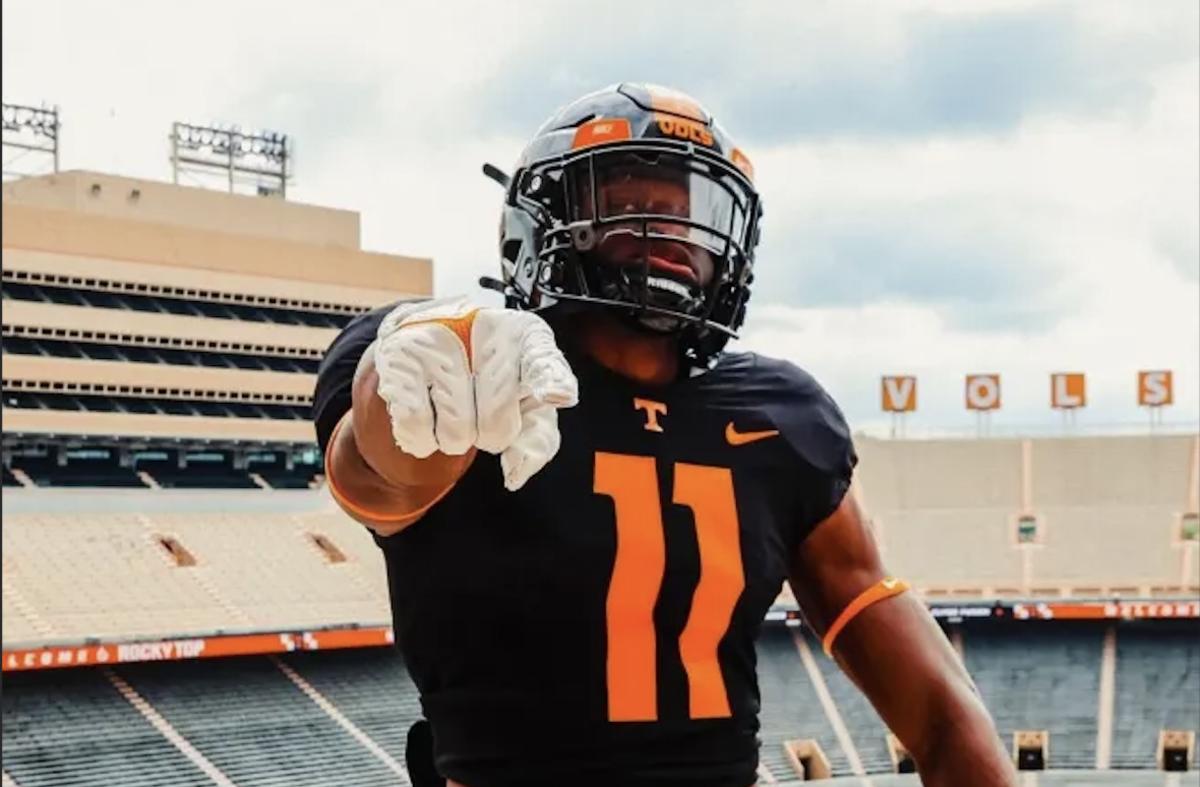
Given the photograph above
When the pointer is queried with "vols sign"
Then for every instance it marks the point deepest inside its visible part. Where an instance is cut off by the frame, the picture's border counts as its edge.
(983, 392)
(1155, 389)
(899, 394)
(1067, 391)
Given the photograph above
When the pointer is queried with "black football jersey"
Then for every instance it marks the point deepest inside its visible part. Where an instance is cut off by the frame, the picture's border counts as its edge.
(597, 626)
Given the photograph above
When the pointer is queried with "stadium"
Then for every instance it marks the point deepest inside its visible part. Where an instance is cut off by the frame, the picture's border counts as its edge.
(184, 604)
(208, 572)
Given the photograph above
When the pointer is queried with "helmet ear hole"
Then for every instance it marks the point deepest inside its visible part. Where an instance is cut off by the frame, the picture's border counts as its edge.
(583, 235)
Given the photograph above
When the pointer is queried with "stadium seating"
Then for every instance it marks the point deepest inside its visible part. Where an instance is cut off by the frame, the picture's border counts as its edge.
(1157, 686)
(282, 737)
(1109, 506)
(107, 575)
(102, 575)
(202, 478)
(945, 513)
(73, 571)
(1037, 676)
(371, 687)
(46, 472)
(866, 729)
(72, 727)
(291, 585)
(790, 707)
(932, 498)
(304, 478)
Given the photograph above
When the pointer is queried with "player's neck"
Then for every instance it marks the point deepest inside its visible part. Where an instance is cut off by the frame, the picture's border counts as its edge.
(642, 357)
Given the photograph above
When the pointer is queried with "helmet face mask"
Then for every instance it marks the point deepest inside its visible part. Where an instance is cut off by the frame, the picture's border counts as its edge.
(655, 228)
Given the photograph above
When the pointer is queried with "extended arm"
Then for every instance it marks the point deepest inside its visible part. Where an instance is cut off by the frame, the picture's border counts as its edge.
(896, 654)
(441, 380)
(375, 482)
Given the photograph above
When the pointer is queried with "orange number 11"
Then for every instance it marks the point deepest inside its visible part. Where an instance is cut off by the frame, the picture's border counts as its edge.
(632, 483)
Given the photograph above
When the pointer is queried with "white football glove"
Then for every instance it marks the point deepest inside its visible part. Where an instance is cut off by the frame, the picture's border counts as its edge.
(454, 376)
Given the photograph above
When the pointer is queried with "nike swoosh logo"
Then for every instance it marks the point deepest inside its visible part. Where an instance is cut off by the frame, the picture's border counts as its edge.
(888, 584)
(734, 437)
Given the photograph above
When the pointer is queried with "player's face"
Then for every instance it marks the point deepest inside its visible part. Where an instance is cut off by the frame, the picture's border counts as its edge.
(638, 188)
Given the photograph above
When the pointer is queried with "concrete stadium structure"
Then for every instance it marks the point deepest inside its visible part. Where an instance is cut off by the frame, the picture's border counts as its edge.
(131, 266)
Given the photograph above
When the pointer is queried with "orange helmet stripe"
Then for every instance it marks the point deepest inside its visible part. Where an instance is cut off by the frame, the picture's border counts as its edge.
(741, 162)
(674, 103)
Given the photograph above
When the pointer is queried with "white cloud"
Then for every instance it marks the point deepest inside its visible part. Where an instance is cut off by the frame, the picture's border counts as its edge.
(1091, 201)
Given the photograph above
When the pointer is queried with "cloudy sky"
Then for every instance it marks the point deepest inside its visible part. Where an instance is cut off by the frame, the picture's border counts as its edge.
(949, 186)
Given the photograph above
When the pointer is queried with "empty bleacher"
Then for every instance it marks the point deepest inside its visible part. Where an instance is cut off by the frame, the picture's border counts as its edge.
(46, 472)
(106, 574)
(1037, 676)
(202, 478)
(1157, 686)
(255, 725)
(945, 512)
(943, 509)
(1109, 506)
(72, 727)
(790, 707)
(100, 575)
(867, 730)
(273, 469)
(371, 687)
(269, 569)
(100, 465)
(245, 716)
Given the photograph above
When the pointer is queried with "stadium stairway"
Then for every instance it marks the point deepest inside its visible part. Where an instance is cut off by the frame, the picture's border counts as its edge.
(866, 729)
(371, 687)
(790, 707)
(17, 478)
(1157, 686)
(255, 725)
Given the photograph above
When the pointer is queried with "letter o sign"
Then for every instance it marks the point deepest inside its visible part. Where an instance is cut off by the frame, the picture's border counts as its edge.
(983, 392)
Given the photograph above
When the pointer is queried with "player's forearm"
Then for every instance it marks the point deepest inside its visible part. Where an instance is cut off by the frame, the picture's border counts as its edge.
(371, 478)
(961, 747)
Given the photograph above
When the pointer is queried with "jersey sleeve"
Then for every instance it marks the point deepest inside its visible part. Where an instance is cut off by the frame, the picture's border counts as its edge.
(335, 376)
(818, 436)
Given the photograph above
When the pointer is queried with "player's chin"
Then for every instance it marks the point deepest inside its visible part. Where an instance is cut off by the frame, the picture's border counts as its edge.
(674, 260)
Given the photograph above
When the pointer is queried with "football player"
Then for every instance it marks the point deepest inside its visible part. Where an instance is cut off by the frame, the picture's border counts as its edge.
(586, 505)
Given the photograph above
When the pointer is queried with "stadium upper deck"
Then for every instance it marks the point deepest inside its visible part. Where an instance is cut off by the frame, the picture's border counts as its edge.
(146, 315)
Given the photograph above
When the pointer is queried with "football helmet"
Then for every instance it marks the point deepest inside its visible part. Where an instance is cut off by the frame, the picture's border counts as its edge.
(634, 199)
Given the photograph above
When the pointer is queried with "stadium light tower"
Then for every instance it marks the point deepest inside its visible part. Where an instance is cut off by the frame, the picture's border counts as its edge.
(29, 130)
(262, 158)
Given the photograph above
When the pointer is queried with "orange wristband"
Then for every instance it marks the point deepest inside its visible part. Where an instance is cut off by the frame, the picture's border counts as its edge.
(355, 508)
(883, 589)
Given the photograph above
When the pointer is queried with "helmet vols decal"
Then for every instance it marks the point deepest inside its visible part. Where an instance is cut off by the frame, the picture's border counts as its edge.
(595, 132)
(688, 130)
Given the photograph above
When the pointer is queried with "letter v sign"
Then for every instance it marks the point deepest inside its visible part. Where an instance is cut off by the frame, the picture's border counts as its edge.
(899, 394)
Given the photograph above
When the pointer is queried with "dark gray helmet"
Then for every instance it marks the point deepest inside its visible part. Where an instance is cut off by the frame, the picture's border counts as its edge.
(559, 210)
